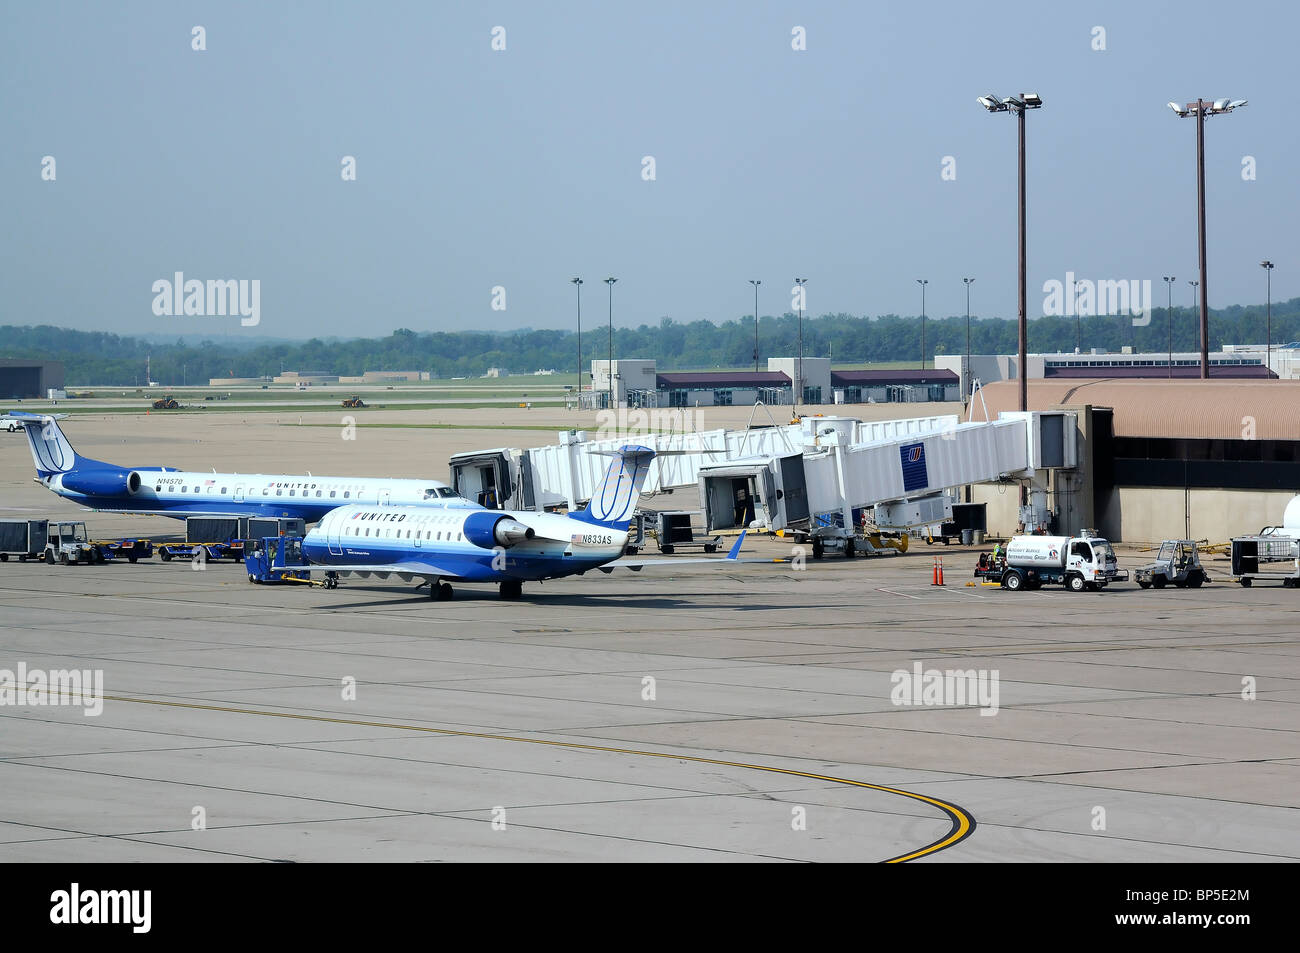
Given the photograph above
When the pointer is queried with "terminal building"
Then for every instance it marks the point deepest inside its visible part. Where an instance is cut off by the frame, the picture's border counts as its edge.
(1232, 362)
(638, 383)
(1194, 459)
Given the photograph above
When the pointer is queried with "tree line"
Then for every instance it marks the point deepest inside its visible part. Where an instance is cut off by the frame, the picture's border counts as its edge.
(100, 358)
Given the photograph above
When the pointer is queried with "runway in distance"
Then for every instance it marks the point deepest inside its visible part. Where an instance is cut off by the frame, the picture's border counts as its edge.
(501, 546)
(166, 491)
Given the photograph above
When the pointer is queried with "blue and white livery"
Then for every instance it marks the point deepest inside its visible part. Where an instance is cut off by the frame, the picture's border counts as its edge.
(505, 547)
(166, 491)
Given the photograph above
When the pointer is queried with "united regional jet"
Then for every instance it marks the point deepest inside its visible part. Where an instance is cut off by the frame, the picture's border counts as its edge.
(166, 491)
(505, 547)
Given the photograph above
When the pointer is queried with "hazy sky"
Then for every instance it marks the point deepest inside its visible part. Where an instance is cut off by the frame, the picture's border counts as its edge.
(523, 167)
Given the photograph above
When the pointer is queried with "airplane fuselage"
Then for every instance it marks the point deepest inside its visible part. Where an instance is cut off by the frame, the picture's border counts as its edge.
(462, 545)
(180, 493)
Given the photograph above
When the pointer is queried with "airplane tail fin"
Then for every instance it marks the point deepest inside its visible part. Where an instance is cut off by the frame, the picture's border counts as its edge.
(51, 451)
(614, 501)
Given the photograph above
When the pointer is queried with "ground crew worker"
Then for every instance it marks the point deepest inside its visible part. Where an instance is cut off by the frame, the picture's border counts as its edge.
(741, 514)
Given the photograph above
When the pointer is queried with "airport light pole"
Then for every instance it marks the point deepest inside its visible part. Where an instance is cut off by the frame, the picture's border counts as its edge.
(1268, 344)
(1193, 284)
(799, 373)
(1169, 321)
(922, 282)
(577, 283)
(966, 382)
(1078, 316)
(1200, 109)
(1019, 105)
(755, 282)
(610, 368)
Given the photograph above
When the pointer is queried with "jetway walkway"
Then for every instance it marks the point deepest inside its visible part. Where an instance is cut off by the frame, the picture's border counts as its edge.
(819, 477)
(566, 473)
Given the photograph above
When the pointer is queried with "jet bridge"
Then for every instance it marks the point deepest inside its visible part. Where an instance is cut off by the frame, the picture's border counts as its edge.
(822, 477)
(565, 474)
(898, 482)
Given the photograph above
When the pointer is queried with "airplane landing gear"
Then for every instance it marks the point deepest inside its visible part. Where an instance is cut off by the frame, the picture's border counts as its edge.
(441, 591)
(512, 589)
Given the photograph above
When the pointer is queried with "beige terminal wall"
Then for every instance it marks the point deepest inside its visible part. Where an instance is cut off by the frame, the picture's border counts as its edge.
(1148, 514)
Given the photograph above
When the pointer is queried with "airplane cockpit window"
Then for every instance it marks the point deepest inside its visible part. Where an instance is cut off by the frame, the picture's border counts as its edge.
(431, 492)
(446, 492)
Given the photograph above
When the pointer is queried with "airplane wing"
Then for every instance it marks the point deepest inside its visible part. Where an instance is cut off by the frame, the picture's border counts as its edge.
(731, 559)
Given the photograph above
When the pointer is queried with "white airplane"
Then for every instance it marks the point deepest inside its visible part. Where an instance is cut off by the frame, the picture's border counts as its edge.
(166, 491)
(505, 547)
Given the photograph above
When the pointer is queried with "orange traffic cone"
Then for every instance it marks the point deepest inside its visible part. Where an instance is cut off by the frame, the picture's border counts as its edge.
(941, 570)
(934, 571)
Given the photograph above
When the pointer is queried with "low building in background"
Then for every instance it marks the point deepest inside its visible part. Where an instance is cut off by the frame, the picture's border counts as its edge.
(29, 378)
(895, 386)
(1238, 362)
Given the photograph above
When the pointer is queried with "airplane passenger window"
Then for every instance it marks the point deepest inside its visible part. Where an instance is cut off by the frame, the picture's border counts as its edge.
(346, 494)
(279, 492)
(292, 492)
(318, 493)
(332, 492)
(185, 489)
(367, 530)
(266, 491)
(223, 490)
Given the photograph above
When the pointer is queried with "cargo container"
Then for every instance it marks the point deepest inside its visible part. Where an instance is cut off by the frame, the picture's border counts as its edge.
(25, 539)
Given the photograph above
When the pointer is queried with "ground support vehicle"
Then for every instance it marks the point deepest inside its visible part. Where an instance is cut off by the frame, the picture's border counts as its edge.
(1178, 561)
(279, 559)
(1081, 562)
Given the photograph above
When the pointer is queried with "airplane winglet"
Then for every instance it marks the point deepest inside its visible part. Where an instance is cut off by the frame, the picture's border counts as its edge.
(735, 550)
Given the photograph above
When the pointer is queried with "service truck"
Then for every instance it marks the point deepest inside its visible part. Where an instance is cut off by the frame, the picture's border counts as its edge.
(1078, 562)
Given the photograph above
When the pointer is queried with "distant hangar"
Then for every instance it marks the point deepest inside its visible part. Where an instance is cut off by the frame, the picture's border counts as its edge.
(29, 378)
